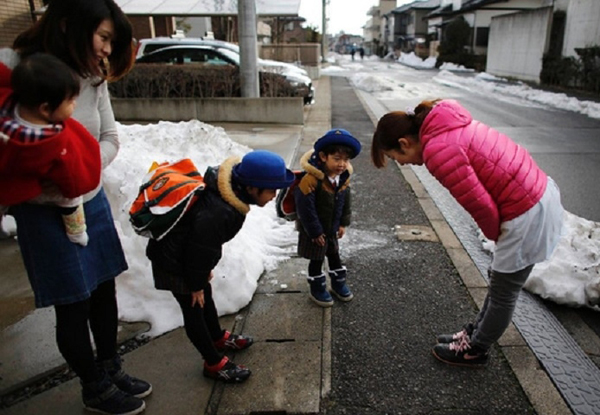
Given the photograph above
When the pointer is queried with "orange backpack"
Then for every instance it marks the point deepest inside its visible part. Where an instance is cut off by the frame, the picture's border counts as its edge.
(168, 191)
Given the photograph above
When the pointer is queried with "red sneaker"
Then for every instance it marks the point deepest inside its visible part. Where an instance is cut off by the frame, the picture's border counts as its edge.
(227, 371)
(231, 341)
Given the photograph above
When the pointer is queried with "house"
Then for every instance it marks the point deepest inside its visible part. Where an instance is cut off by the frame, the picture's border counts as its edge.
(15, 17)
(478, 14)
(374, 29)
(515, 35)
(286, 29)
(410, 27)
(344, 43)
(518, 42)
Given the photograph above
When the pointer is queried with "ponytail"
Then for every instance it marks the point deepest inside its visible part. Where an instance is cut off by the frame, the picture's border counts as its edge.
(395, 125)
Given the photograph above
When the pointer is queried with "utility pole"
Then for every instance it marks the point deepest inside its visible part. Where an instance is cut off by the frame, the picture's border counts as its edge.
(248, 49)
(324, 45)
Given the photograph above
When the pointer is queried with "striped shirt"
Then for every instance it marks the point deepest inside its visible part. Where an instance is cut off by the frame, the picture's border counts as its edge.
(17, 128)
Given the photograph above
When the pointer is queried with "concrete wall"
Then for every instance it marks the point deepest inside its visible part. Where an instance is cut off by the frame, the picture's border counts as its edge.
(249, 110)
(517, 44)
(15, 17)
(582, 28)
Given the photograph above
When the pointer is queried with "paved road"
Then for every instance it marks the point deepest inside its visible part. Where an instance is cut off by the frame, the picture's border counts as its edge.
(566, 144)
(406, 292)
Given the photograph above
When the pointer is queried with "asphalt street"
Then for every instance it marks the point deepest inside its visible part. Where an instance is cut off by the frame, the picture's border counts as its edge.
(406, 292)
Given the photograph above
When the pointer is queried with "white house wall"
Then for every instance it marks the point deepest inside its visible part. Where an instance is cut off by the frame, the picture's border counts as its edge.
(582, 28)
(561, 5)
(484, 15)
(517, 43)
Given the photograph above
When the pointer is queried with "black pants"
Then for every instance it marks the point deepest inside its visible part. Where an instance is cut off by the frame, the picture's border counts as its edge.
(202, 325)
(73, 323)
(315, 267)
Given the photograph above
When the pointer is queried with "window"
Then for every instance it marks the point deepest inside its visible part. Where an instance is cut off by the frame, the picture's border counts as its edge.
(483, 34)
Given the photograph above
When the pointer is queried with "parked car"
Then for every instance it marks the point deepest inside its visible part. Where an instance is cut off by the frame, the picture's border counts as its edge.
(149, 45)
(213, 55)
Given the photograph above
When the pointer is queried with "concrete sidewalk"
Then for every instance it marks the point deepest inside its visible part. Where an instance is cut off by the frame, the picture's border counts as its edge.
(281, 320)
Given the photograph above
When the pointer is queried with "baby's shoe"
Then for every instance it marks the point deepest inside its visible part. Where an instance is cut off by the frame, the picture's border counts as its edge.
(226, 371)
(338, 284)
(75, 226)
(5, 234)
(318, 291)
(231, 341)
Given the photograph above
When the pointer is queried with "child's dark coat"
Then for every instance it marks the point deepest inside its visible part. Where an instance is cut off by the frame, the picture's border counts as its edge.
(321, 208)
(183, 259)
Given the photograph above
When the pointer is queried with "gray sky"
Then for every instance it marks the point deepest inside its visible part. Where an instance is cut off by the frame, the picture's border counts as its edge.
(347, 15)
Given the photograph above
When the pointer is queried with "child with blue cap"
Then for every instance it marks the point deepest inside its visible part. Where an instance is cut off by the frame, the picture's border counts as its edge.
(323, 206)
(183, 261)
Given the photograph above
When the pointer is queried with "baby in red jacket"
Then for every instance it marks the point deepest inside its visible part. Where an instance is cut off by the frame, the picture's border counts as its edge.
(41, 148)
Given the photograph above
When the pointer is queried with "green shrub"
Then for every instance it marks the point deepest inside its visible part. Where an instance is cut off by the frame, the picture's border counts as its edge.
(581, 73)
(180, 81)
(590, 68)
(558, 71)
(468, 60)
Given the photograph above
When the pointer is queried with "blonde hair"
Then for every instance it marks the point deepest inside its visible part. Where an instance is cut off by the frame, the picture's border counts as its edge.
(395, 125)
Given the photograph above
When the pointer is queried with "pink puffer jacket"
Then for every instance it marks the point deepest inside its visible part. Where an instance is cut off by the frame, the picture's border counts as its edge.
(491, 176)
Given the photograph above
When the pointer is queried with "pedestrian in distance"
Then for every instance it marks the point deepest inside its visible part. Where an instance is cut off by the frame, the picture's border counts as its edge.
(361, 51)
(512, 200)
(184, 259)
(352, 51)
(94, 38)
(323, 204)
(41, 141)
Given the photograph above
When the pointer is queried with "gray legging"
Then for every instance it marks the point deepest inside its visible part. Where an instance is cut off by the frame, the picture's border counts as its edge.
(498, 307)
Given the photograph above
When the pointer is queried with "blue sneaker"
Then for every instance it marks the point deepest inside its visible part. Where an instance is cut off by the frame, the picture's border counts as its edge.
(318, 291)
(338, 284)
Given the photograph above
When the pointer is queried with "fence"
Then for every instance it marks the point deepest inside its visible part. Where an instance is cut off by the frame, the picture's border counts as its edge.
(306, 54)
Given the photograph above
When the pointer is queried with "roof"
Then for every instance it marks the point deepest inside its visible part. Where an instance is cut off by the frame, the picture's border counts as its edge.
(206, 7)
(418, 5)
(468, 5)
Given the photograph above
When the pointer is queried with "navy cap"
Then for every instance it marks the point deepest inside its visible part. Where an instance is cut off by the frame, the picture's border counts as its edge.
(338, 136)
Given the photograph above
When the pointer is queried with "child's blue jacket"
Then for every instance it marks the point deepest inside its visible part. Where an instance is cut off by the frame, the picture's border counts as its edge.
(321, 208)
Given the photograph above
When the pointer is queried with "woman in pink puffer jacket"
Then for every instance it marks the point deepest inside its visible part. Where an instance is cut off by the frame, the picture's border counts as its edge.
(511, 199)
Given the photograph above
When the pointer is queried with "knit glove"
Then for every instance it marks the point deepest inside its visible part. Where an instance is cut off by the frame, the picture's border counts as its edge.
(75, 226)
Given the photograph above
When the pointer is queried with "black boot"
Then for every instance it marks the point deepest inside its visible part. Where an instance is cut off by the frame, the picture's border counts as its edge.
(129, 384)
(104, 397)
(338, 284)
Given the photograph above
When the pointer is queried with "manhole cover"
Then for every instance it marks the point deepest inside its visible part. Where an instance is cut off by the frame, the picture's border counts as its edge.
(415, 233)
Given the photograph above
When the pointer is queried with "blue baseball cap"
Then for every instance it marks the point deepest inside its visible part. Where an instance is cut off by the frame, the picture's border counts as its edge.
(263, 169)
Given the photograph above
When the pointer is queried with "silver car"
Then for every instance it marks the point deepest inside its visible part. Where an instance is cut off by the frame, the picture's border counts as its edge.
(215, 55)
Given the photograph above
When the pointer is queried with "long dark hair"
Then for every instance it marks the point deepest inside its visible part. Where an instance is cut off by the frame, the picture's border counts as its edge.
(395, 125)
(66, 30)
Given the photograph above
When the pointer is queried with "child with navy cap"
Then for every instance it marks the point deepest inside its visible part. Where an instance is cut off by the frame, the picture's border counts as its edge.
(183, 261)
(323, 207)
